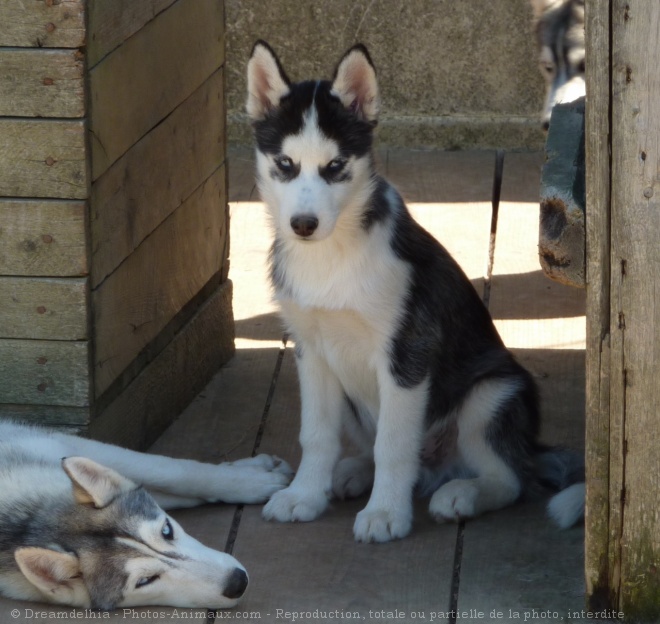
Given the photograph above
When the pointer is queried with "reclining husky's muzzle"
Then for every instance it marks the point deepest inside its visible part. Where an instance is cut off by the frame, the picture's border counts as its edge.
(236, 584)
(304, 225)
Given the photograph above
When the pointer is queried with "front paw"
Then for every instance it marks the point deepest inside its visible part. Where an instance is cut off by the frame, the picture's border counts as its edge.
(295, 505)
(381, 525)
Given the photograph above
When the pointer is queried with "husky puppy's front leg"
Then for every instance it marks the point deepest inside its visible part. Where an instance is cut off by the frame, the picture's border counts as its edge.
(322, 400)
(389, 512)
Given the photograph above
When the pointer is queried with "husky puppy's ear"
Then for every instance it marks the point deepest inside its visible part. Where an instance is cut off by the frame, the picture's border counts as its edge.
(94, 484)
(354, 82)
(267, 83)
(48, 570)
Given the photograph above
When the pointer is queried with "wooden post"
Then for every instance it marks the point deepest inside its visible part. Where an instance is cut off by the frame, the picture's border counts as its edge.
(623, 309)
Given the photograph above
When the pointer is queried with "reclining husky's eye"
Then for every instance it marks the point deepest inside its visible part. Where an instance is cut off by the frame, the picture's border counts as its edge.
(167, 531)
(146, 580)
(284, 163)
(336, 165)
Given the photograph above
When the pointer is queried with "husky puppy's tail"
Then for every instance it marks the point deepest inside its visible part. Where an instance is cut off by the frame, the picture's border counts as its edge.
(563, 471)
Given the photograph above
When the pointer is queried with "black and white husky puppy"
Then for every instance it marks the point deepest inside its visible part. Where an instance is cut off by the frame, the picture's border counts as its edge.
(392, 341)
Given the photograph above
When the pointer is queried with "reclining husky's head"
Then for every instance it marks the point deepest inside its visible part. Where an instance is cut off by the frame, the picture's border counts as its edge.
(559, 26)
(115, 547)
(313, 142)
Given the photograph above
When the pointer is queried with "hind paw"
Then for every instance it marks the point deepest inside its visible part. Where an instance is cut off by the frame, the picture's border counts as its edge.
(352, 477)
(454, 501)
(295, 505)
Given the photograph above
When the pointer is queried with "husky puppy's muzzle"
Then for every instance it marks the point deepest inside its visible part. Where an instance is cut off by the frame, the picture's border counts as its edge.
(304, 225)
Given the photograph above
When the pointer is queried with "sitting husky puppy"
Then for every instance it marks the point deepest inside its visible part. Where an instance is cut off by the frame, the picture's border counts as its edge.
(392, 340)
(73, 532)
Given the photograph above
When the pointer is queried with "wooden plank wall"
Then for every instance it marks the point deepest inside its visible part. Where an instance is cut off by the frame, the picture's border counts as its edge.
(44, 182)
(113, 208)
(158, 198)
(623, 390)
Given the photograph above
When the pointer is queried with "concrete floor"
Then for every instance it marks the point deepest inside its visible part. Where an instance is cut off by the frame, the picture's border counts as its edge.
(508, 566)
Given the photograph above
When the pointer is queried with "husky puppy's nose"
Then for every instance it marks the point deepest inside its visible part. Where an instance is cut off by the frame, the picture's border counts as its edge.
(236, 584)
(304, 224)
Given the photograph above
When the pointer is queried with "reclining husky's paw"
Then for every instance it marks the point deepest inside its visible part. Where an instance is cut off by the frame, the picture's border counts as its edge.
(270, 463)
(295, 505)
(352, 477)
(381, 525)
(455, 501)
(253, 480)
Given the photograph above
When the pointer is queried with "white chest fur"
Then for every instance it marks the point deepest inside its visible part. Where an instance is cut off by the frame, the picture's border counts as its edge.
(344, 300)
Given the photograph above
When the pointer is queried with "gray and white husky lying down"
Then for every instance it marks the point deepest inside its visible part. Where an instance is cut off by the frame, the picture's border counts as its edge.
(393, 344)
(86, 534)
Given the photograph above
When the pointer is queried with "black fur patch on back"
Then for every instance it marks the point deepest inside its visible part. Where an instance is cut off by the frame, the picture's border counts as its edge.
(446, 333)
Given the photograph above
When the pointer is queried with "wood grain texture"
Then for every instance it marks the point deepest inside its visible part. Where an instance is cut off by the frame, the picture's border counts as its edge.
(43, 308)
(111, 22)
(42, 83)
(41, 24)
(133, 89)
(44, 372)
(134, 303)
(47, 415)
(43, 158)
(43, 238)
(166, 385)
(155, 176)
(635, 309)
(597, 146)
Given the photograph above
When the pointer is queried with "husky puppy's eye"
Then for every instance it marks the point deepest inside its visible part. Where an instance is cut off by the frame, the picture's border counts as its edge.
(146, 580)
(167, 531)
(284, 163)
(336, 165)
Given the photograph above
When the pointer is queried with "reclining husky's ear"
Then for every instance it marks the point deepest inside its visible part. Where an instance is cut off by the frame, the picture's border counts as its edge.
(93, 483)
(50, 571)
(355, 83)
(267, 83)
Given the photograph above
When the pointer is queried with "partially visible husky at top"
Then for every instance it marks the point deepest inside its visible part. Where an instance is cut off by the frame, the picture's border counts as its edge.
(559, 28)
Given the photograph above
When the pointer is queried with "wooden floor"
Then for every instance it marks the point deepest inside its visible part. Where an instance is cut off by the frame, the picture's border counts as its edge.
(509, 566)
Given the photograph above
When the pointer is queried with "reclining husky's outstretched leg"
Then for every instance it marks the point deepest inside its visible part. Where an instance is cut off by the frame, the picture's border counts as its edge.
(174, 482)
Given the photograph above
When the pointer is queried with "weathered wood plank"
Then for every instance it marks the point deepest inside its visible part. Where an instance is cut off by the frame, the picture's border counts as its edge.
(44, 158)
(111, 22)
(597, 146)
(133, 89)
(43, 308)
(151, 180)
(167, 384)
(43, 238)
(42, 24)
(134, 303)
(635, 309)
(47, 415)
(44, 372)
(42, 83)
